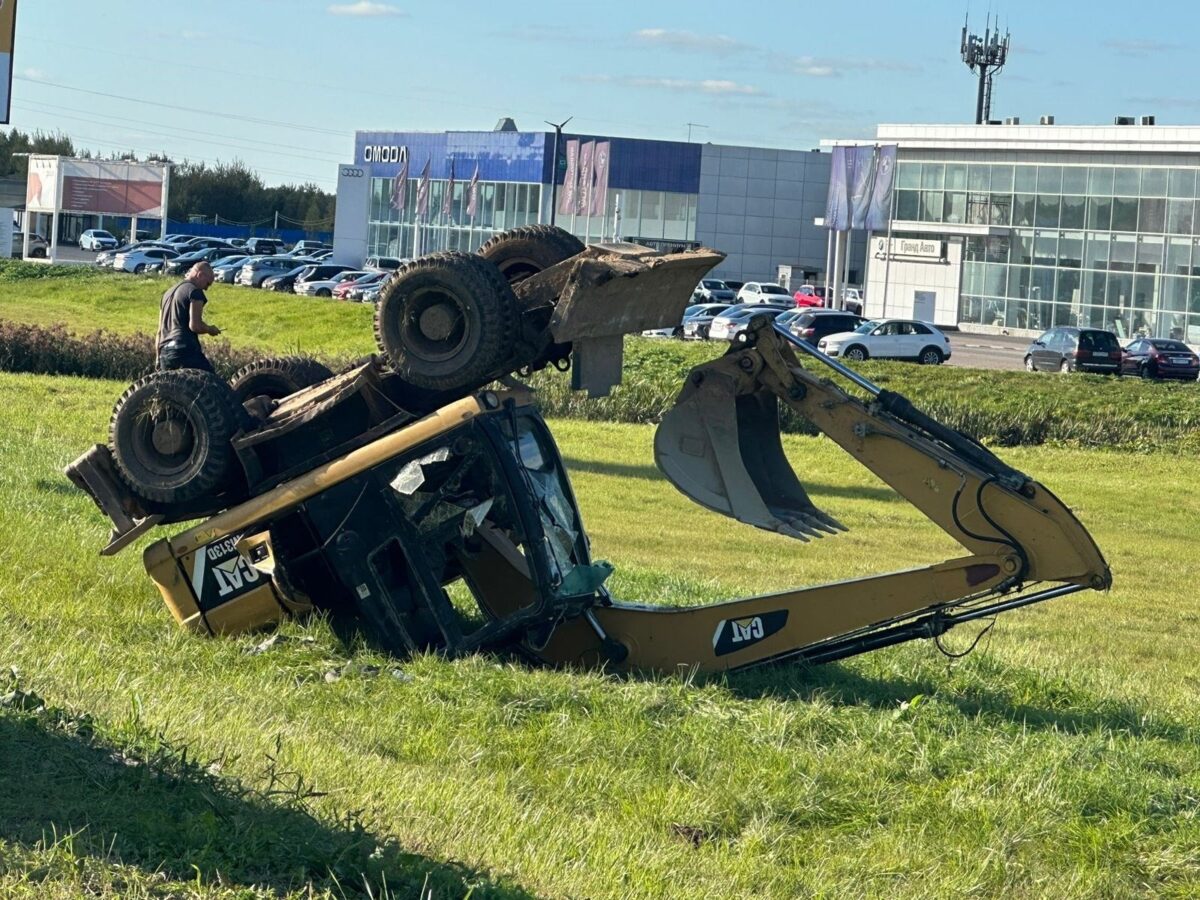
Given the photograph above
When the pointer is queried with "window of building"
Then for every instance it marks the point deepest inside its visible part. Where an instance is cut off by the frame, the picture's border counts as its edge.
(1154, 182)
(1127, 182)
(933, 176)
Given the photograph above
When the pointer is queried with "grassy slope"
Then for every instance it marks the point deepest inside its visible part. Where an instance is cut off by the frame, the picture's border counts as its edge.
(1059, 759)
(129, 305)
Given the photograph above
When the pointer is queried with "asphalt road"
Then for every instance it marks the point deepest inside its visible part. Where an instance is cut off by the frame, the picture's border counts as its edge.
(986, 351)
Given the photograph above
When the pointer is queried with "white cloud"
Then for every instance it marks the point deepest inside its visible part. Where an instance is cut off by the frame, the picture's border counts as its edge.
(365, 8)
(689, 41)
(34, 74)
(709, 86)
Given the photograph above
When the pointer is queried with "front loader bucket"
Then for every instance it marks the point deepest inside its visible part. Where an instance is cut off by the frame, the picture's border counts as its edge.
(721, 447)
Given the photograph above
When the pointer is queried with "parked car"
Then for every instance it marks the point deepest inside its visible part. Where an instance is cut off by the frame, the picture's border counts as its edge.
(258, 269)
(143, 259)
(352, 289)
(734, 286)
(260, 246)
(813, 324)
(227, 269)
(763, 292)
(38, 245)
(97, 239)
(1160, 358)
(321, 255)
(324, 287)
(696, 325)
(889, 339)
(180, 264)
(734, 320)
(378, 263)
(1070, 349)
(676, 331)
(286, 282)
(852, 300)
(713, 290)
(305, 247)
(810, 295)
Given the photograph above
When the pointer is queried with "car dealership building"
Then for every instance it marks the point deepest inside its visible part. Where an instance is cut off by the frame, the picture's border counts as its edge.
(1023, 227)
(756, 205)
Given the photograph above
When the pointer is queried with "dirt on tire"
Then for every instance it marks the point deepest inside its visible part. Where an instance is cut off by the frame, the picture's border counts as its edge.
(170, 435)
(525, 251)
(277, 377)
(447, 322)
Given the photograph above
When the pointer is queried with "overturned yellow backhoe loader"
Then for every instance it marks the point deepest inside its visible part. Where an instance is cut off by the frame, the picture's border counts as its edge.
(367, 494)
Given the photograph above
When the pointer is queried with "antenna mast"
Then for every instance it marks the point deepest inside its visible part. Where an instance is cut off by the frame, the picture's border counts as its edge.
(986, 56)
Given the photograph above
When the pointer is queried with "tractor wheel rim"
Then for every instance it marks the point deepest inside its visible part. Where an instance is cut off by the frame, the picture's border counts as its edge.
(436, 326)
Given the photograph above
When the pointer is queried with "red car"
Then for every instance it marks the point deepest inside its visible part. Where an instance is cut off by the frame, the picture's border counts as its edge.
(810, 295)
(342, 291)
(1160, 358)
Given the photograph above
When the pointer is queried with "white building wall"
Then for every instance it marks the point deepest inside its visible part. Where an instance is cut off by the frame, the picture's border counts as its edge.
(907, 276)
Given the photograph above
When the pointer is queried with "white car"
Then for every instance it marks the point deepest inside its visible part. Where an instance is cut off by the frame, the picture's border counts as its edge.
(734, 320)
(889, 339)
(97, 239)
(146, 259)
(324, 287)
(764, 292)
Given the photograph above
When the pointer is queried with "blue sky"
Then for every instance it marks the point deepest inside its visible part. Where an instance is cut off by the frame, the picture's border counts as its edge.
(283, 84)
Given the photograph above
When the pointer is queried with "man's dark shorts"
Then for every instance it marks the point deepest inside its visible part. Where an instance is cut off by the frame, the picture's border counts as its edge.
(170, 357)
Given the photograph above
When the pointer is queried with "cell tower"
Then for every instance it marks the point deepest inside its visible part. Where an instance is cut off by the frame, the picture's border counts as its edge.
(985, 55)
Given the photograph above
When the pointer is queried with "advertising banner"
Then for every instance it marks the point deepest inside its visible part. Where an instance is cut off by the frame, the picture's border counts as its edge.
(600, 194)
(583, 202)
(41, 186)
(448, 196)
(861, 180)
(423, 191)
(112, 188)
(880, 210)
(400, 186)
(566, 201)
(837, 202)
(8, 27)
(473, 194)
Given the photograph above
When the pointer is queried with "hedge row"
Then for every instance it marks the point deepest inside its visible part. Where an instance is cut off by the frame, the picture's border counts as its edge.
(1005, 408)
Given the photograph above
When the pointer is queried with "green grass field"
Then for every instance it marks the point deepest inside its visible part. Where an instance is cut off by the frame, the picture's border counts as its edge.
(1060, 759)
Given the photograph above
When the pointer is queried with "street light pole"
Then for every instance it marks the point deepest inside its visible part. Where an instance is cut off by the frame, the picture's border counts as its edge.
(554, 167)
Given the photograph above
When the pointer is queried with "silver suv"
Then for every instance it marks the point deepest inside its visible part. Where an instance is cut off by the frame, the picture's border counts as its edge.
(38, 245)
(256, 271)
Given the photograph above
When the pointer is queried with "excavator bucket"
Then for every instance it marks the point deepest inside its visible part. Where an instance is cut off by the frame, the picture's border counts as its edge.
(721, 447)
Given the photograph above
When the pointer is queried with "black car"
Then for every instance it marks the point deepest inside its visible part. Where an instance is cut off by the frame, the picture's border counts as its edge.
(257, 246)
(285, 283)
(180, 264)
(1160, 358)
(1070, 349)
(814, 324)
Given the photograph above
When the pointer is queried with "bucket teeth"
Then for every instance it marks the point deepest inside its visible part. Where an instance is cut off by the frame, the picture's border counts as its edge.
(788, 531)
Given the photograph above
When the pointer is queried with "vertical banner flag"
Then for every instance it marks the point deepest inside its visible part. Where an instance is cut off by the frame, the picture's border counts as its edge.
(473, 194)
(584, 192)
(423, 191)
(448, 197)
(566, 202)
(861, 180)
(8, 27)
(880, 211)
(837, 202)
(600, 193)
(400, 186)
(860, 177)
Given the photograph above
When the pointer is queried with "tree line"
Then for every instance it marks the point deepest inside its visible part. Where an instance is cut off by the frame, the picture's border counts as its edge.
(231, 191)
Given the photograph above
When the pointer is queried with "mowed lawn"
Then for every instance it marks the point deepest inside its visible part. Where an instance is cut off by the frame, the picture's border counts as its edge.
(1060, 759)
(128, 304)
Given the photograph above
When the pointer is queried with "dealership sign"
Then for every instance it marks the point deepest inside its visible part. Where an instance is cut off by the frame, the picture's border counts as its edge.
(910, 248)
(384, 153)
(92, 186)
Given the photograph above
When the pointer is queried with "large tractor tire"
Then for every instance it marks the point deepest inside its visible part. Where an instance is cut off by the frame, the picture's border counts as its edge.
(447, 322)
(170, 436)
(528, 250)
(277, 378)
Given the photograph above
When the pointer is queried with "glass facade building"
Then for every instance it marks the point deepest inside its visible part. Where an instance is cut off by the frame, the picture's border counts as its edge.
(1048, 225)
(757, 205)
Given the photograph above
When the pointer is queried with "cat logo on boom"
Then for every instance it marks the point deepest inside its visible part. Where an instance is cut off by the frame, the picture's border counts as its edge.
(738, 634)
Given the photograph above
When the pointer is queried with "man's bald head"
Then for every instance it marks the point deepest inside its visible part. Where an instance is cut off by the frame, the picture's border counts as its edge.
(201, 275)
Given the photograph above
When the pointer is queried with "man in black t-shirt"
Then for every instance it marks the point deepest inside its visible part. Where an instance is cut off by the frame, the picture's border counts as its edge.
(181, 322)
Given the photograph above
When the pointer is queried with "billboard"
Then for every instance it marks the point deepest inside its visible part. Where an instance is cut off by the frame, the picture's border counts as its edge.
(8, 26)
(95, 187)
